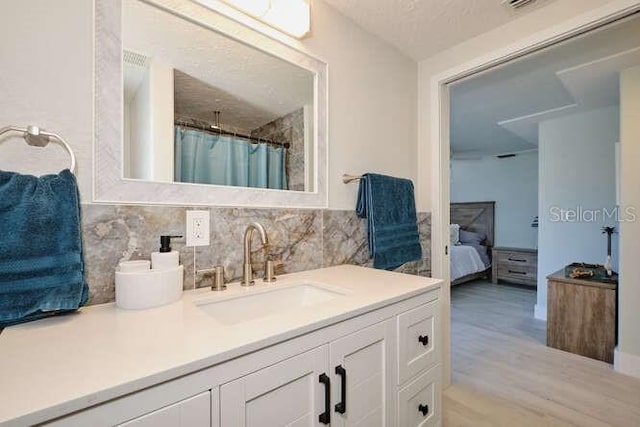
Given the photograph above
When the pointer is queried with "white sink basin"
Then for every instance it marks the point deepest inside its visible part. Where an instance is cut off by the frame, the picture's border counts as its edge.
(243, 308)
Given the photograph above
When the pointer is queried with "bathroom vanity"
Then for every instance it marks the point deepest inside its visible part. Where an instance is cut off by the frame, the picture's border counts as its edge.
(337, 346)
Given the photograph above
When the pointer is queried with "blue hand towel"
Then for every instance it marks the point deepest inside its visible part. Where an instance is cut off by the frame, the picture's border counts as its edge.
(41, 266)
(389, 205)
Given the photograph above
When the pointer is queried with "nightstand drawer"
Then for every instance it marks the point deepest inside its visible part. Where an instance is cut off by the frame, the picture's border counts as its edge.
(517, 258)
(506, 272)
(515, 265)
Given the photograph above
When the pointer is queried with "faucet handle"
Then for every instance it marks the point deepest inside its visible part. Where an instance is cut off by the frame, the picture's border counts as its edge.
(218, 277)
(269, 272)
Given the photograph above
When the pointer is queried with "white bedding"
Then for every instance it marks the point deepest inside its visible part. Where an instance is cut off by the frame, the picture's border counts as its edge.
(465, 260)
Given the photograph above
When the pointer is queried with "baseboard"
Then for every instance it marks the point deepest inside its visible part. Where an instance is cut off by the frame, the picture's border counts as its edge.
(626, 363)
(540, 312)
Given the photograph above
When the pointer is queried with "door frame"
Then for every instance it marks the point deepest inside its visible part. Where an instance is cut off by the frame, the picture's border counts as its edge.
(438, 144)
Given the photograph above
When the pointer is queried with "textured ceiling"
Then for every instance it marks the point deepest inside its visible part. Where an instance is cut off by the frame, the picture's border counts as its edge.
(421, 28)
(249, 87)
(498, 111)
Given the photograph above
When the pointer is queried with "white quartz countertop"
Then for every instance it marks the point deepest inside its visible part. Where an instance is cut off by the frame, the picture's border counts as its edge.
(55, 366)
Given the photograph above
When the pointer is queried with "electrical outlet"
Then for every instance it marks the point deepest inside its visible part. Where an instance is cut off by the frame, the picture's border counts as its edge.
(197, 228)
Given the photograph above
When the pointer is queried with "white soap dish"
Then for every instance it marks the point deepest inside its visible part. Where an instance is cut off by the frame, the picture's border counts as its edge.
(137, 290)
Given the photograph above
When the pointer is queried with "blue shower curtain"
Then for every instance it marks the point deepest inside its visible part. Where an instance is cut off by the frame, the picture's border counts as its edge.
(204, 158)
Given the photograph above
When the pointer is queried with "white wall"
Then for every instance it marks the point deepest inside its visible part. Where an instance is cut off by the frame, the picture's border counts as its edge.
(162, 121)
(628, 352)
(150, 130)
(140, 132)
(126, 139)
(512, 183)
(372, 103)
(47, 79)
(577, 176)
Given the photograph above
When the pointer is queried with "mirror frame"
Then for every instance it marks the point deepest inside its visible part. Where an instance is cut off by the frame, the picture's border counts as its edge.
(109, 185)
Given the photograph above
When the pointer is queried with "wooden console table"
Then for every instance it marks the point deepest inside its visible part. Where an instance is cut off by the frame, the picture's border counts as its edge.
(581, 316)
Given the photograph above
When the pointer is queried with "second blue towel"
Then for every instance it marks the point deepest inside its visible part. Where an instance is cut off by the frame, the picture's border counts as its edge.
(388, 204)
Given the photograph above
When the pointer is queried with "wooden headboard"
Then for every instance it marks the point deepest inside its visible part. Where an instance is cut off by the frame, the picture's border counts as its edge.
(475, 216)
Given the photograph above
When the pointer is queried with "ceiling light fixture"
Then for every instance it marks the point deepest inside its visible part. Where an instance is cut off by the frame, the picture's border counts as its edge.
(292, 17)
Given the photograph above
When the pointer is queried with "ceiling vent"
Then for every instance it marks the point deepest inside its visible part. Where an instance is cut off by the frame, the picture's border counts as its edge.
(136, 59)
(517, 3)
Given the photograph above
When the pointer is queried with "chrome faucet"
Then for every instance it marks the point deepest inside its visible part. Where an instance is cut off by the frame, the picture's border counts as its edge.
(247, 271)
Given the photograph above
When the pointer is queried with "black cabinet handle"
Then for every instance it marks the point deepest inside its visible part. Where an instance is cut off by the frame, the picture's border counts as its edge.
(517, 272)
(341, 407)
(325, 417)
(424, 340)
(517, 260)
(424, 409)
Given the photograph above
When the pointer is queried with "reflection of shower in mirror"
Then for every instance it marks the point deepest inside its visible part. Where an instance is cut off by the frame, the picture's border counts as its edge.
(245, 120)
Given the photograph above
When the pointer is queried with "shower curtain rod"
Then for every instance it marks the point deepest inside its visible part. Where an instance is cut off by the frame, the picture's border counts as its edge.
(219, 131)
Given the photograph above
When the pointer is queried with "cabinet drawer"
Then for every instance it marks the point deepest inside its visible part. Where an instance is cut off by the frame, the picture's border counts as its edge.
(517, 273)
(419, 401)
(517, 258)
(417, 340)
(517, 270)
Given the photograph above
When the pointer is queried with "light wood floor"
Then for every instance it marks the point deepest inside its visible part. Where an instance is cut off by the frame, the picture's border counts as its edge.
(504, 375)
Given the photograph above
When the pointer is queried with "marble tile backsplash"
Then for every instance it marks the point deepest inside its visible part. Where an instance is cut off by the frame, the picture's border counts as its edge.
(300, 239)
(289, 128)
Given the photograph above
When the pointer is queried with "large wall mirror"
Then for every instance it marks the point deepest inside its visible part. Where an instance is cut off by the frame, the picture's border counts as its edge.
(193, 108)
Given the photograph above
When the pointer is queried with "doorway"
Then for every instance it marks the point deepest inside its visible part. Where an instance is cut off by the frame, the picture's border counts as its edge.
(529, 375)
(533, 175)
(440, 90)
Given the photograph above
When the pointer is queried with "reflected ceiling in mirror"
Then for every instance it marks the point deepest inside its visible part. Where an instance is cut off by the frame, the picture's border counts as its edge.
(109, 182)
(201, 107)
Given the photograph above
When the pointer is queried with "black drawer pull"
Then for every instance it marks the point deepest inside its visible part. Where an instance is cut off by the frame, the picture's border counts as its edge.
(517, 260)
(524, 273)
(424, 340)
(325, 417)
(341, 407)
(424, 409)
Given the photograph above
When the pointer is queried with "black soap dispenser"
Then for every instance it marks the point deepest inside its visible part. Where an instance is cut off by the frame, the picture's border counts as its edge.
(165, 258)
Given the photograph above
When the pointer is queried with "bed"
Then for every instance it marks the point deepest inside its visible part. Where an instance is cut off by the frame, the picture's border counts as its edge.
(471, 259)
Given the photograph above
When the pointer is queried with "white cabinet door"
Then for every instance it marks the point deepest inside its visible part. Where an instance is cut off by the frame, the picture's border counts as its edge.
(362, 378)
(286, 394)
(192, 412)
